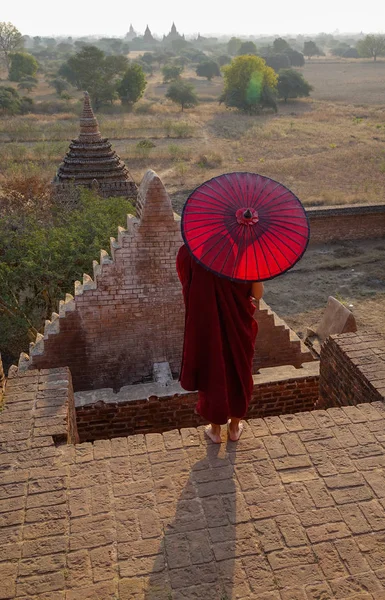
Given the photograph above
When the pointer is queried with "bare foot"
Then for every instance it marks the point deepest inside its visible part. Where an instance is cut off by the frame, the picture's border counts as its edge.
(234, 431)
(213, 435)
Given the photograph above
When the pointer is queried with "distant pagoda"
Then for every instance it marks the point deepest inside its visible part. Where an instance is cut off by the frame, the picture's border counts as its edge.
(148, 37)
(173, 35)
(91, 162)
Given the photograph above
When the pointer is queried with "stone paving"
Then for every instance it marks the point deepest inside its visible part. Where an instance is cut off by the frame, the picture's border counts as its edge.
(293, 511)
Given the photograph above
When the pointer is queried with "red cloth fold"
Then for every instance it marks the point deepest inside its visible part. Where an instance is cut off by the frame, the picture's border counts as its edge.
(219, 341)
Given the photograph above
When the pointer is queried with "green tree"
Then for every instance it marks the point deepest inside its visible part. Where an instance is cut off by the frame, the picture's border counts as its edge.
(292, 84)
(224, 59)
(90, 69)
(22, 65)
(182, 93)
(10, 40)
(233, 46)
(27, 83)
(208, 69)
(59, 84)
(278, 61)
(247, 48)
(42, 254)
(310, 49)
(296, 58)
(249, 84)
(371, 46)
(171, 73)
(132, 85)
(280, 46)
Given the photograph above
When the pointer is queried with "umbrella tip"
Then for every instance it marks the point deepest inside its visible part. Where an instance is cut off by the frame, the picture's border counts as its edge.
(248, 214)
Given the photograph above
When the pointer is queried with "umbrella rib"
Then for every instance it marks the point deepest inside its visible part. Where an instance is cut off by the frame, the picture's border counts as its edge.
(204, 202)
(218, 253)
(279, 226)
(279, 250)
(268, 232)
(272, 240)
(219, 227)
(273, 255)
(284, 234)
(238, 254)
(217, 233)
(229, 200)
(203, 193)
(255, 254)
(271, 191)
(276, 197)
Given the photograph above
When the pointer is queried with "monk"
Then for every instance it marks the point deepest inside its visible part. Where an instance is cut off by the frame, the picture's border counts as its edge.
(219, 341)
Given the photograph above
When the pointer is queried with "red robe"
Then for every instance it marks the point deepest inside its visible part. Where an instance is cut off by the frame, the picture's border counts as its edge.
(219, 340)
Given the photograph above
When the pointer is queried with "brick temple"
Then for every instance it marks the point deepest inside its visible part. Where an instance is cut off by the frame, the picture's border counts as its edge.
(91, 162)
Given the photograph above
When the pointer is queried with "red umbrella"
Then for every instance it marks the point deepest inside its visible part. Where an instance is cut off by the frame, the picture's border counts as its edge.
(245, 227)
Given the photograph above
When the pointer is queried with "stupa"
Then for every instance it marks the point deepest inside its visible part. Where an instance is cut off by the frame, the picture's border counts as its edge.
(91, 162)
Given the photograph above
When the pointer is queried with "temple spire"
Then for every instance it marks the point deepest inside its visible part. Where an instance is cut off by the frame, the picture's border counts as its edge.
(89, 126)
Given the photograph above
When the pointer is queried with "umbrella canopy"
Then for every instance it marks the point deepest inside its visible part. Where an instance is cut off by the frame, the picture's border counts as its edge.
(245, 227)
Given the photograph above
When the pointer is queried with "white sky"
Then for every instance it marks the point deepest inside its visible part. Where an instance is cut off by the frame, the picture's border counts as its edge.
(250, 17)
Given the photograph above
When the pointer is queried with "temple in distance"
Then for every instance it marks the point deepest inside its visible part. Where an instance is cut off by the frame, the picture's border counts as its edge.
(91, 162)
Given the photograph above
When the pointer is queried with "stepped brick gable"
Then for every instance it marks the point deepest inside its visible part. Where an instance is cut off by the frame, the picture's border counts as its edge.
(130, 316)
(91, 162)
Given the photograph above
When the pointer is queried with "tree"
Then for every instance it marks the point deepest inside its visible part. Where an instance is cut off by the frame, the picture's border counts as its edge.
(224, 59)
(311, 49)
(233, 46)
(22, 65)
(280, 46)
(132, 86)
(340, 49)
(42, 253)
(10, 40)
(27, 83)
(247, 48)
(171, 73)
(249, 84)
(182, 93)
(208, 69)
(351, 53)
(296, 58)
(60, 85)
(278, 61)
(292, 84)
(371, 46)
(90, 69)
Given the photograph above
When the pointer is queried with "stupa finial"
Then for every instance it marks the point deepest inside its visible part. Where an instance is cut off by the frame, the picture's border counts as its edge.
(89, 126)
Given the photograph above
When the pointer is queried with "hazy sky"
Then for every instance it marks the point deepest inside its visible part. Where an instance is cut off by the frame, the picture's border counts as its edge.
(247, 17)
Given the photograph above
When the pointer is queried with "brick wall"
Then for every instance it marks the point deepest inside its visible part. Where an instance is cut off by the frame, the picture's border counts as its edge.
(346, 223)
(280, 390)
(2, 380)
(352, 369)
(131, 315)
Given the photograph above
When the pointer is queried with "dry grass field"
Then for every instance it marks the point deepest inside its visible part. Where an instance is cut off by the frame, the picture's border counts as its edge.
(329, 149)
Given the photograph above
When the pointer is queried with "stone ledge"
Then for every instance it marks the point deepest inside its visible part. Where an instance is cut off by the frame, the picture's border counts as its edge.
(145, 391)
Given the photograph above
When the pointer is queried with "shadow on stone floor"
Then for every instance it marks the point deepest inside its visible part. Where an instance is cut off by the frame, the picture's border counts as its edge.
(200, 532)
